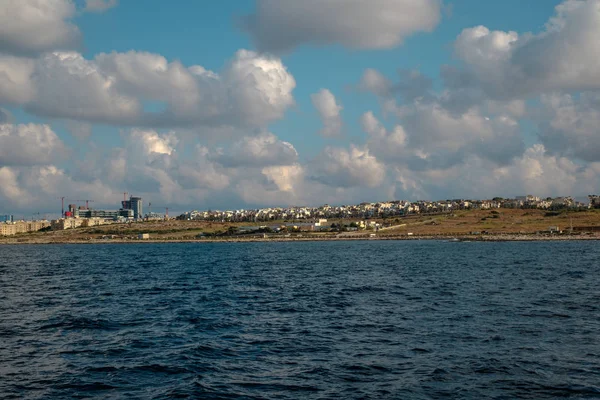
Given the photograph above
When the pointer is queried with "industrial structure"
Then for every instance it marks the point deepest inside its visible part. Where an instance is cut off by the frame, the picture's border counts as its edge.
(135, 204)
(130, 209)
(76, 216)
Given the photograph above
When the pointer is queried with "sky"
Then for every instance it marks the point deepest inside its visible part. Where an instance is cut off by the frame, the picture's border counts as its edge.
(257, 103)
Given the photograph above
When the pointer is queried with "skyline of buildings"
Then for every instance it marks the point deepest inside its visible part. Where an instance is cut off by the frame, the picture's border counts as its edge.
(81, 216)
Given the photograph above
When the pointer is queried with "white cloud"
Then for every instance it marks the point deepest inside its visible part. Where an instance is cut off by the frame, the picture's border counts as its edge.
(150, 76)
(373, 81)
(34, 188)
(570, 125)
(445, 139)
(329, 111)
(202, 173)
(376, 24)
(151, 143)
(538, 172)
(69, 86)
(9, 185)
(563, 57)
(339, 167)
(257, 151)
(433, 132)
(15, 79)
(29, 144)
(100, 6)
(252, 90)
(285, 177)
(388, 145)
(260, 87)
(412, 86)
(534, 172)
(29, 27)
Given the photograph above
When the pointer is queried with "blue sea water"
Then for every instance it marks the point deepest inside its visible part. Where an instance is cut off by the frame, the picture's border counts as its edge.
(311, 320)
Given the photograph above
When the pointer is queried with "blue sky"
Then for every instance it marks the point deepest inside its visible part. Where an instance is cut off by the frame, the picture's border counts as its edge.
(207, 33)
(269, 103)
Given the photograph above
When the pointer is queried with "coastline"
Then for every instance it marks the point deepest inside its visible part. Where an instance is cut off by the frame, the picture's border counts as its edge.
(452, 238)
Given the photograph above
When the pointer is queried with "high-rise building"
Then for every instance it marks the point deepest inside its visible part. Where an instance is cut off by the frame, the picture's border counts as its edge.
(6, 218)
(135, 204)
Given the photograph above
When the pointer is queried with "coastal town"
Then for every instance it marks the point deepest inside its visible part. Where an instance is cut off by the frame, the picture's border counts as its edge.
(375, 218)
(388, 209)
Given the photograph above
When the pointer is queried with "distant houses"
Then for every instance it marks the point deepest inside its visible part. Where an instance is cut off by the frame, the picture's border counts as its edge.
(384, 209)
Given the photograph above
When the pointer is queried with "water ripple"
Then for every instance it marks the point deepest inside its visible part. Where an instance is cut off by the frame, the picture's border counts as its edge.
(407, 320)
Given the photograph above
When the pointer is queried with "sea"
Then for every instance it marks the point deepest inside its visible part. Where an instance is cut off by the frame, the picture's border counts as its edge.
(307, 320)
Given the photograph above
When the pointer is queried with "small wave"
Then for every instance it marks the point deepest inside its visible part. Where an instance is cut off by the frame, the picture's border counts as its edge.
(420, 350)
(88, 387)
(102, 369)
(161, 369)
(80, 323)
(206, 351)
(545, 315)
(363, 289)
(276, 387)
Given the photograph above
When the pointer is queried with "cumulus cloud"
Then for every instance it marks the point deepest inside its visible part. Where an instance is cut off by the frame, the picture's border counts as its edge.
(69, 86)
(9, 185)
(31, 188)
(339, 167)
(373, 81)
(412, 84)
(329, 111)
(149, 76)
(285, 177)
(260, 87)
(433, 132)
(562, 57)
(257, 151)
(570, 125)
(377, 24)
(29, 144)
(535, 171)
(114, 88)
(30, 27)
(202, 173)
(443, 139)
(541, 173)
(15, 79)
(151, 142)
(100, 6)
(149, 165)
(388, 145)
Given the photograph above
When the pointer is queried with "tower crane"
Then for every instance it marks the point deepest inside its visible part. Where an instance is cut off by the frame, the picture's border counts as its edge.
(166, 209)
(62, 203)
(87, 203)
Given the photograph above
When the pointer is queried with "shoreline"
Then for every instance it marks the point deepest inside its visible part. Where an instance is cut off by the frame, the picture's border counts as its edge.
(453, 238)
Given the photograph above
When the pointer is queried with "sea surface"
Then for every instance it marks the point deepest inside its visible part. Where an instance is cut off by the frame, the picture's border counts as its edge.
(310, 320)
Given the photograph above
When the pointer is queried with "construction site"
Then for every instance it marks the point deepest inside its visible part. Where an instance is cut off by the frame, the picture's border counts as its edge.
(79, 214)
